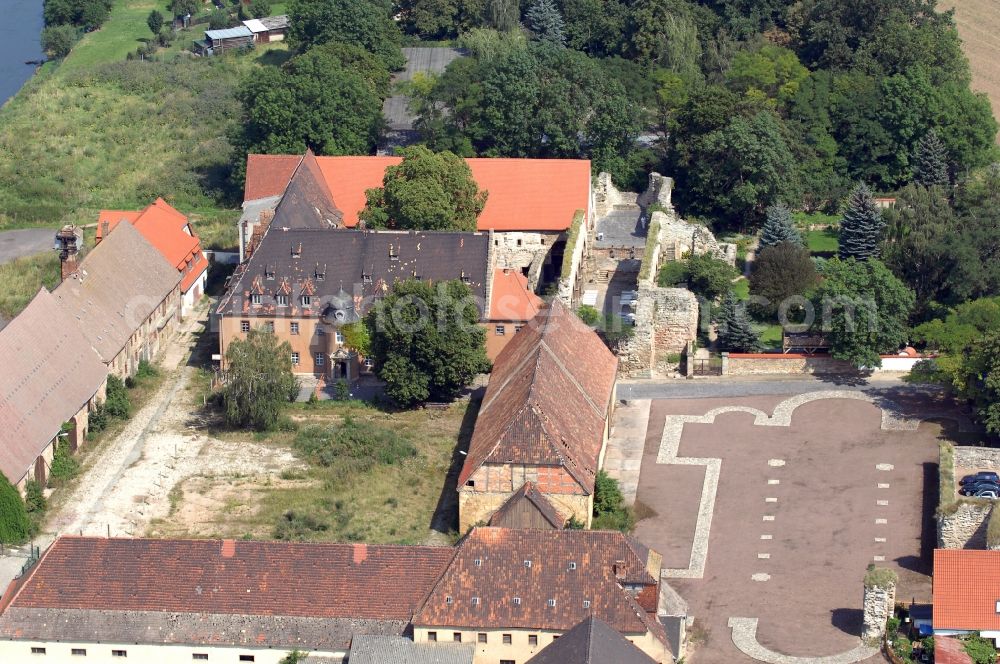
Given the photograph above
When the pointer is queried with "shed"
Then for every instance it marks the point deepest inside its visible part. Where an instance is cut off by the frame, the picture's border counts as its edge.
(268, 29)
(227, 39)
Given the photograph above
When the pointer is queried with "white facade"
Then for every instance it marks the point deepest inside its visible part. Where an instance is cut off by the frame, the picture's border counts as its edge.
(16, 652)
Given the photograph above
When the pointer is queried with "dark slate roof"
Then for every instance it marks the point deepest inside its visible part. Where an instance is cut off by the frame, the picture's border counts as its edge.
(49, 372)
(580, 570)
(400, 650)
(535, 499)
(307, 201)
(547, 400)
(593, 641)
(118, 286)
(361, 265)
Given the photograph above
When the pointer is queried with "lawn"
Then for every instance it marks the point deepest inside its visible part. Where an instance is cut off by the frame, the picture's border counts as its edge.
(385, 504)
(770, 335)
(822, 242)
(741, 289)
(120, 35)
(22, 277)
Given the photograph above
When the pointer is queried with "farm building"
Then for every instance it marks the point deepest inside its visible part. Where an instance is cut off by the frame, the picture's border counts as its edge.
(268, 29)
(219, 41)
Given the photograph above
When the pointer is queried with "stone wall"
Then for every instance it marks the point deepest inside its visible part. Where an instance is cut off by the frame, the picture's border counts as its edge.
(666, 319)
(680, 236)
(575, 253)
(984, 458)
(518, 250)
(878, 607)
(607, 196)
(657, 192)
(964, 525)
(763, 364)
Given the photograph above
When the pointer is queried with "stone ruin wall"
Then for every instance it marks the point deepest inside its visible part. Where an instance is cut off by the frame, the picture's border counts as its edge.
(965, 527)
(666, 318)
(879, 604)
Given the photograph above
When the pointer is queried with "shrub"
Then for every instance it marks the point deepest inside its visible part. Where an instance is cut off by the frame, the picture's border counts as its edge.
(588, 314)
(116, 402)
(341, 391)
(145, 370)
(98, 419)
(14, 524)
(880, 577)
(58, 40)
(672, 273)
(946, 476)
(610, 510)
(709, 277)
(218, 20)
(295, 526)
(64, 466)
(982, 651)
(34, 500)
(354, 445)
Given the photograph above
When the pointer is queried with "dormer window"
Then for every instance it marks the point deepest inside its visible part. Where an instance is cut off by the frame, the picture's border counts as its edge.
(416, 275)
(448, 600)
(297, 250)
(572, 566)
(269, 272)
(320, 273)
(479, 563)
(551, 602)
(475, 601)
(393, 253)
(307, 300)
(465, 278)
(366, 278)
(586, 603)
(527, 563)
(255, 298)
(282, 300)
(517, 601)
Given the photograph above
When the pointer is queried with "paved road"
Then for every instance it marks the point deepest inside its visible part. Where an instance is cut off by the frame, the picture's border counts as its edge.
(756, 386)
(25, 242)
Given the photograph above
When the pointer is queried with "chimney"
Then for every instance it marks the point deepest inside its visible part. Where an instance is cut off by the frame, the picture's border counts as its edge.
(228, 548)
(68, 241)
(105, 229)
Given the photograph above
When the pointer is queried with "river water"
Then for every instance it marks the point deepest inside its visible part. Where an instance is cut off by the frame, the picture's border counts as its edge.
(20, 32)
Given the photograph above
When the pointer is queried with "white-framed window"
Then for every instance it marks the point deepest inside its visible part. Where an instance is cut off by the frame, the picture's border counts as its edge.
(244, 326)
(500, 330)
(339, 337)
(294, 327)
(369, 364)
(282, 300)
(307, 300)
(295, 359)
(255, 298)
(269, 326)
(320, 359)
(517, 328)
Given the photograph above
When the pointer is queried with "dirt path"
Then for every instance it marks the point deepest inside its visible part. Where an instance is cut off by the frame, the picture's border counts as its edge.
(164, 443)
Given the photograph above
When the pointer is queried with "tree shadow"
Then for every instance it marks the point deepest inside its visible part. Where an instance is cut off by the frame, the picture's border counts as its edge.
(445, 517)
(846, 379)
(848, 621)
(275, 57)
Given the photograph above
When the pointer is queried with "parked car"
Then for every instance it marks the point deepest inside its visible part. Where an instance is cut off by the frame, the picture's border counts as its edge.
(984, 476)
(971, 489)
(987, 493)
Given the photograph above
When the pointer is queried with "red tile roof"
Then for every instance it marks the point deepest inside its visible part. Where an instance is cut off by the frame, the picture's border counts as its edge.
(511, 299)
(524, 194)
(358, 581)
(552, 573)
(166, 229)
(547, 400)
(966, 589)
(950, 651)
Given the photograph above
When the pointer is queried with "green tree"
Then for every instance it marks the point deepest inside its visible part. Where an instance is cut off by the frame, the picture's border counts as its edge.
(735, 330)
(14, 524)
(546, 22)
(259, 380)
(931, 161)
(440, 19)
(58, 40)
(328, 99)
(356, 337)
(502, 15)
(116, 401)
(780, 272)
(771, 71)
(180, 8)
(154, 21)
(357, 22)
(86, 14)
(967, 323)
(778, 227)
(218, 19)
(293, 657)
(710, 277)
(425, 191)
(861, 226)
(426, 341)
(610, 510)
(64, 465)
(865, 309)
(260, 8)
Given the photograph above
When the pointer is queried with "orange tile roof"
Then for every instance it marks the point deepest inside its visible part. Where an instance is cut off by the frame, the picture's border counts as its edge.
(524, 194)
(966, 589)
(166, 229)
(511, 298)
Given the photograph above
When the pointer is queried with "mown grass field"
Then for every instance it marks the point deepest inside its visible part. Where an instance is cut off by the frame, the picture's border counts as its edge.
(979, 27)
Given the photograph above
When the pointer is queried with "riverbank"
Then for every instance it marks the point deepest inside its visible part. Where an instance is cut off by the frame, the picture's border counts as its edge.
(20, 42)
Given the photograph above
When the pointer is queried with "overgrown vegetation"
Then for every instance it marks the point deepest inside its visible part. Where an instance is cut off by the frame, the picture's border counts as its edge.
(22, 277)
(993, 530)
(946, 477)
(610, 510)
(353, 446)
(259, 380)
(652, 239)
(572, 237)
(981, 650)
(15, 527)
(880, 577)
